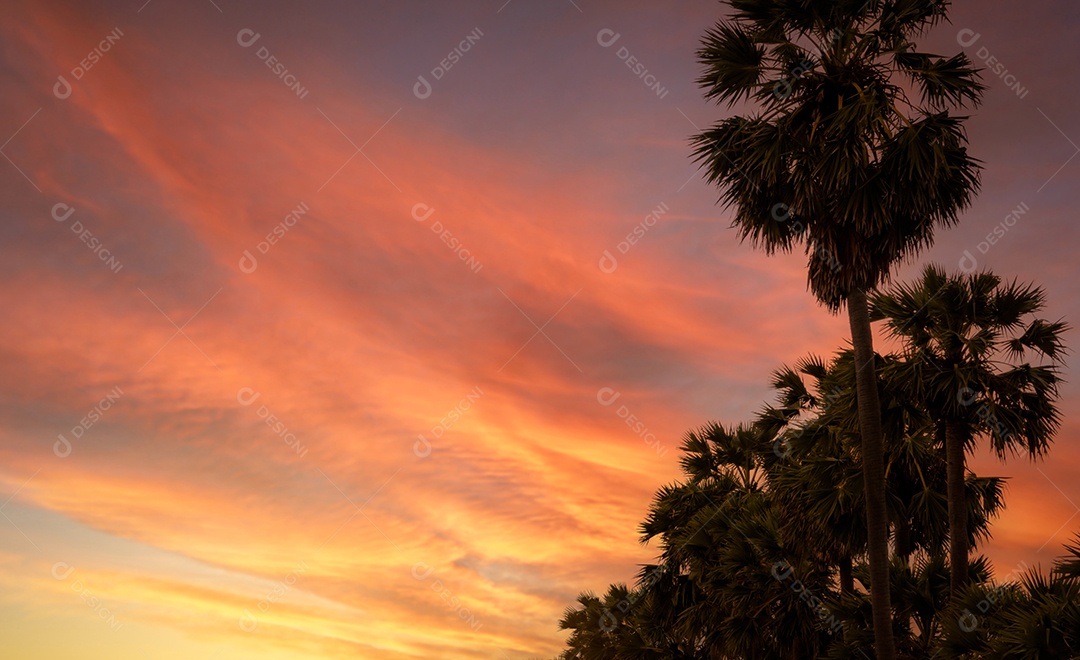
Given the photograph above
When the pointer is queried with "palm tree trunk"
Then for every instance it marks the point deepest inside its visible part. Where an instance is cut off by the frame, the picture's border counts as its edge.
(873, 459)
(958, 532)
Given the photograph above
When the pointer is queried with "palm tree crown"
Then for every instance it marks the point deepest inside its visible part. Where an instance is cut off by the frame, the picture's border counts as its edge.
(853, 151)
(963, 335)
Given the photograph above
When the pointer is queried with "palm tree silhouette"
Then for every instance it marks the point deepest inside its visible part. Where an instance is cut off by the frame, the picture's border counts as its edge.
(731, 572)
(812, 472)
(820, 479)
(962, 335)
(610, 627)
(841, 159)
(1034, 617)
(762, 541)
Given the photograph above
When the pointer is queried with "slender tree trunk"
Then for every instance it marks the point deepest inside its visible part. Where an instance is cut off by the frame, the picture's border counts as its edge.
(958, 532)
(847, 577)
(873, 459)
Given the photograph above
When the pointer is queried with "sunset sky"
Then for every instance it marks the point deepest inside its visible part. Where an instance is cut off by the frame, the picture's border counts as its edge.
(310, 310)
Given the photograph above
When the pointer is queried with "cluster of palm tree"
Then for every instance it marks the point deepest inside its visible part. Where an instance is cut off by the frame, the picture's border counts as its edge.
(851, 146)
(763, 547)
(853, 152)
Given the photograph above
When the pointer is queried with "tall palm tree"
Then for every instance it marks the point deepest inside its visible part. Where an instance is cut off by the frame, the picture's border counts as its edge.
(843, 159)
(963, 335)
